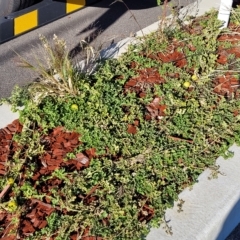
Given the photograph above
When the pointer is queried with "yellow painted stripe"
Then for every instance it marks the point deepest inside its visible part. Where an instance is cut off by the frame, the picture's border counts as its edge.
(25, 22)
(73, 5)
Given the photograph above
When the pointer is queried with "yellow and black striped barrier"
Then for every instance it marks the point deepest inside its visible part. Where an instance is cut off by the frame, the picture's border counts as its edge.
(37, 15)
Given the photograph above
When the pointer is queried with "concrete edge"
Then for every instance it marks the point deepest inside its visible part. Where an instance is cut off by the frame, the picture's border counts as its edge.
(6, 115)
(212, 208)
(39, 14)
(197, 8)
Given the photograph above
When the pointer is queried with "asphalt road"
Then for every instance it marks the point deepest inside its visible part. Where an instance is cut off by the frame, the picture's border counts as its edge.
(235, 234)
(101, 24)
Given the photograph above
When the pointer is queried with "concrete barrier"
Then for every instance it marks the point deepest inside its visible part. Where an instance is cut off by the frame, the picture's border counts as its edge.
(37, 15)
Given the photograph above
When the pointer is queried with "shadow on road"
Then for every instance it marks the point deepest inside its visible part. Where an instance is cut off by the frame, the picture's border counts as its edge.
(232, 220)
(116, 9)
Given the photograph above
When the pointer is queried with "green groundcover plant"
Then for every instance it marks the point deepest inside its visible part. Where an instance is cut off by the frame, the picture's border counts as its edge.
(149, 123)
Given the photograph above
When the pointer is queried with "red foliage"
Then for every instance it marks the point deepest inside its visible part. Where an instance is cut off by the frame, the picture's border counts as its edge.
(7, 225)
(7, 146)
(57, 145)
(146, 78)
(176, 57)
(227, 85)
(155, 109)
(35, 219)
(146, 213)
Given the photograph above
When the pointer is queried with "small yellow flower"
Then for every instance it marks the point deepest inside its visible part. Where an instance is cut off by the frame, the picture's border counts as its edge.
(194, 77)
(186, 84)
(10, 181)
(74, 107)
(12, 205)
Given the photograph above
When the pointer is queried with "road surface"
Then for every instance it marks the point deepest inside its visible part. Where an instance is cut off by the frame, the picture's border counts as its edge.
(101, 24)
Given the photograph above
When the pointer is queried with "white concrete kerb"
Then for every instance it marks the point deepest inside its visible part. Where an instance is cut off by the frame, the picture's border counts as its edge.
(224, 11)
(212, 208)
(197, 8)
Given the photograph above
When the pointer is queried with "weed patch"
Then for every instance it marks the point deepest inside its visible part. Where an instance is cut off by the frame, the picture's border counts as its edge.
(104, 155)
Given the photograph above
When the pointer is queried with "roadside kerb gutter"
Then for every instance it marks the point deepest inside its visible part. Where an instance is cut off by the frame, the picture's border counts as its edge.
(212, 207)
(37, 15)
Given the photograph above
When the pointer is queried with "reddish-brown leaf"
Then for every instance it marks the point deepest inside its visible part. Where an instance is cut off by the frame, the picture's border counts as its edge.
(91, 152)
(132, 129)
